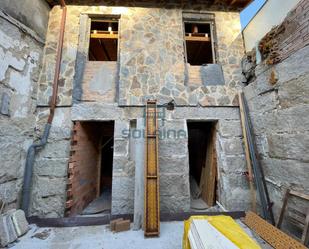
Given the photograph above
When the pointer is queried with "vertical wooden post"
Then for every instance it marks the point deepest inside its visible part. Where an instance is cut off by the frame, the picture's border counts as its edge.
(247, 153)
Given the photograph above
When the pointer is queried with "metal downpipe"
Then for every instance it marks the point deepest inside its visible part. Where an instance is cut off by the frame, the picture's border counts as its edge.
(26, 189)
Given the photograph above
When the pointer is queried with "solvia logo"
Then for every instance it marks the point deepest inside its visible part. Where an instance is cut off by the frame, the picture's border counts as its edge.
(163, 132)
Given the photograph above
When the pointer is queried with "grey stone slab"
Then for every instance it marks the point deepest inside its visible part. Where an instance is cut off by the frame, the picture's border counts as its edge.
(20, 222)
(5, 104)
(7, 230)
(174, 163)
(96, 111)
(46, 186)
(230, 128)
(176, 185)
(206, 113)
(294, 92)
(212, 74)
(289, 146)
(232, 146)
(52, 167)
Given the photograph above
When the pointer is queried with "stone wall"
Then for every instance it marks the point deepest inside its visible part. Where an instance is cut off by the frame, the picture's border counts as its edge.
(151, 65)
(151, 62)
(233, 190)
(32, 13)
(279, 110)
(20, 59)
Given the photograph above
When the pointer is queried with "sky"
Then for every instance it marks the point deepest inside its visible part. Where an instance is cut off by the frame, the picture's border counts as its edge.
(249, 12)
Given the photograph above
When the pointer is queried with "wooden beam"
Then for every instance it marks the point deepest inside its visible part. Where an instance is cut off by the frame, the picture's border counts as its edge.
(247, 153)
(197, 38)
(104, 36)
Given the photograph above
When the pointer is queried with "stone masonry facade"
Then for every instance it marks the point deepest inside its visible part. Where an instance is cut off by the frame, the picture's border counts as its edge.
(151, 64)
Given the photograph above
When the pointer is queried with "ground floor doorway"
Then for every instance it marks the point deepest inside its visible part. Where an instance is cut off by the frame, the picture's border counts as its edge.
(202, 164)
(89, 189)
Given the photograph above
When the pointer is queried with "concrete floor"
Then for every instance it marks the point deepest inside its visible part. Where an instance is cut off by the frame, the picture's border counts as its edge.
(100, 237)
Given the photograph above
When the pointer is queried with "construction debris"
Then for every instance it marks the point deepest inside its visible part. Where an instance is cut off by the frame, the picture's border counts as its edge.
(271, 234)
(120, 225)
(42, 235)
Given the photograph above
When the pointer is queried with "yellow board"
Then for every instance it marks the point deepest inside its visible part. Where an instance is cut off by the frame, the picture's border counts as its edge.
(225, 225)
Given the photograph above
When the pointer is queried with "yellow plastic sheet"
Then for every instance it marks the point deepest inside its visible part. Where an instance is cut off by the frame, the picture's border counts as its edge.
(227, 226)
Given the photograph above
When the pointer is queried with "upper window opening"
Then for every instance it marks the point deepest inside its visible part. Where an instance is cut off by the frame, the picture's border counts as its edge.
(103, 44)
(199, 43)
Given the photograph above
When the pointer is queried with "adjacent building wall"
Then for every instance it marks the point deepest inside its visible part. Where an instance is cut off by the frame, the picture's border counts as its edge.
(279, 109)
(271, 14)
(20, 63)
(33, 13)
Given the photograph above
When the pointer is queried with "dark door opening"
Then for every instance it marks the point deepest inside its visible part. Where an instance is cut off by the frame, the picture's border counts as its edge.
(202, 164)
(90, 169)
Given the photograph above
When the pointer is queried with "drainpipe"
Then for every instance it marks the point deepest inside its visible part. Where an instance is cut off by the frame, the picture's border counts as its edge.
(26, 190)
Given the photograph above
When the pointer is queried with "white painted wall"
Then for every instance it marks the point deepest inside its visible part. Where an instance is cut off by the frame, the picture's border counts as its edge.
(271, 14)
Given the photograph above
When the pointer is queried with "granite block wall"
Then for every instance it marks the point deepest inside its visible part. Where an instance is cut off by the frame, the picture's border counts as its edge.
(280, 116)
(20, 63)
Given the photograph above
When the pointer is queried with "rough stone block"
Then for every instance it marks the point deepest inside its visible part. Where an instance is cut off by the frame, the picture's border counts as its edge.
(122, 206)
(173, 164)
(51, 167)
(7, 230)
(123, 187)
(206, 113)
(168, 147)
(232, 146)
(172, 204)
(121, 147)
(174, 185)
(212, 74)
(20, 223)
(294, 92)
(263, 103)
(283, 172)
(48, 207)
(5, 104)
(233, 164)
(50, 186)
(95, 111)
(230, 128)
(289, 146)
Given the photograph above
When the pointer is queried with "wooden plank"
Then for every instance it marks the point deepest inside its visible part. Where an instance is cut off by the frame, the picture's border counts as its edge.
(285, 202)
(209, 172)
(305, 235)
(104, 36)
(272, 235)
(197, 39)
(300, 195)
(247, 154)
(207, 236)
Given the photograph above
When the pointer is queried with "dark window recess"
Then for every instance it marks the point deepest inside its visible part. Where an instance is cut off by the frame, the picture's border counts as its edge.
(103, 40)
(198, 38)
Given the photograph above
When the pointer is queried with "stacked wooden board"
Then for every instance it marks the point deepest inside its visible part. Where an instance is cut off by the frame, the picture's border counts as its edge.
(152, 202)
(203, 235)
